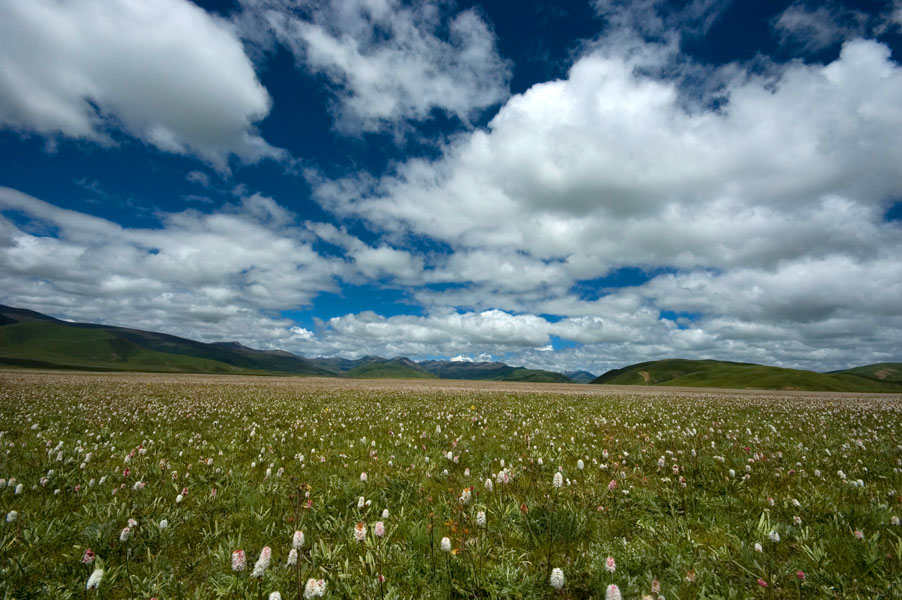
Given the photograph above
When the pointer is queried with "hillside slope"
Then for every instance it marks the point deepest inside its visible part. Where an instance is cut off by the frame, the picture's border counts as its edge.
(722, 374)
(34, 340)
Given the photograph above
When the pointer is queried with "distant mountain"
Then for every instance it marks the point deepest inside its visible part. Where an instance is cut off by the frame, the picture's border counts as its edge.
(391, 368)
(714, 373)
(580, 376)
(30, 339)
(489, 371)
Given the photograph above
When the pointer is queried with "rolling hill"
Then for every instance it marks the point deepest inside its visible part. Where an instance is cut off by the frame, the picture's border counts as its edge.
(722, 374)
(30, 339)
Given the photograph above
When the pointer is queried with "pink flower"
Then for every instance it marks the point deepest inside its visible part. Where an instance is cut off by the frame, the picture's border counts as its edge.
(613, 485)
(609, 565)
(859, 535)
(89, 557)
(800, 575)
(762, 583)
(379, 529)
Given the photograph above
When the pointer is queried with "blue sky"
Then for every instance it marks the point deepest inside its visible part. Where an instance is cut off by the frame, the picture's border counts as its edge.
(578, 185)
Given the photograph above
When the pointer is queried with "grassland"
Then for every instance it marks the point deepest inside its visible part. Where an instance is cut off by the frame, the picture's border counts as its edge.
(710, 494)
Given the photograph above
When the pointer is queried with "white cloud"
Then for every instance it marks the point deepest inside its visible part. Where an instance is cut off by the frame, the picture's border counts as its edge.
(165, 72)
(817, 28)
(390, 62)
(211, 276)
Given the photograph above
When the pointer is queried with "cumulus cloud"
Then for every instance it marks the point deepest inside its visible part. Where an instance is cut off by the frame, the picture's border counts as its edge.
(750, 205)
(165, 72)
(390, 62)
(214, 276)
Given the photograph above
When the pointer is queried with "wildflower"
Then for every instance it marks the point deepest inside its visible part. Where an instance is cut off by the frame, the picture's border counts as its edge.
(297, 541)
(379, 529)
(773, 536)
(94, 579)
(262, 563)
(797, 521)
(363, 477)
(132, 523)
(655, 586)
(179, 498)
(894, 520)
(557, 578)
(558, 480)
(125, 534)
(385, 514)
(609, 565)
(480, 518)
(612, 593)
(239, 561)
(445, 545)
(858, 534)
(762, 583)
(488, 485)
(360, 531)
(292, 557)
(88, 557)
(613, 485)
(164, 524)
(275, 596)
(11, 516)
(758, 547)
(800, 575)
(580, 464)
(361, 502)
(19, 489)
(465, 496)
(314, 588)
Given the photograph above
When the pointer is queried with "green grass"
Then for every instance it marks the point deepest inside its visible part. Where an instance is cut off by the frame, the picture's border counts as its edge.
(720, 374)
(698, 478)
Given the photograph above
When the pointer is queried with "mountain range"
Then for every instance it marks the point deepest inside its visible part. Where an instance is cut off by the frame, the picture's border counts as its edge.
(32, 339)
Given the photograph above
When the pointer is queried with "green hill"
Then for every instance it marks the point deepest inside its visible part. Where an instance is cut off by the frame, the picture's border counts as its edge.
(721, 374)
(30, 339)
(891, 372)
(489, 371)
(394, 368)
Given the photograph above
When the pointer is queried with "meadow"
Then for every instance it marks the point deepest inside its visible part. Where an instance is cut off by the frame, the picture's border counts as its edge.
(163, 486)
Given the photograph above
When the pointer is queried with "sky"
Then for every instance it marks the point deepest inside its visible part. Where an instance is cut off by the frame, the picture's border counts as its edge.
(558, 185)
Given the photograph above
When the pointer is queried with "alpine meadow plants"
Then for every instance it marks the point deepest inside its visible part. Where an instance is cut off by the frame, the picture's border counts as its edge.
(162, 483)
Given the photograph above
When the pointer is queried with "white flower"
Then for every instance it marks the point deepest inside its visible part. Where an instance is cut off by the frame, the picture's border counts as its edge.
(758, 547)
(314, 588)
(11, 516)
(297, 541)
(361, 502)
(480, 518)
(164, 524)
(125, 534)
(363, 477)
(293, 557)
(360, 531)
(557, 578)
(488, 485)
(262, 563)
(179, 498)
(275, 596)
(894, 520)
(773, 536)
(445, 545)
(385, 514)
(19, 489)
(612, 593)
(94, 579)
(558, 480)
(580, 464)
